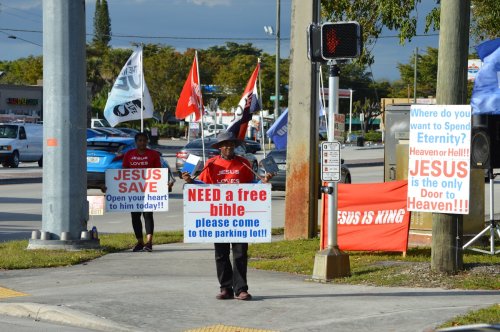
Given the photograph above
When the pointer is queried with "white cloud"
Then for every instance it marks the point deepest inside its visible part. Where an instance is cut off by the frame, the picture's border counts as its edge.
(210, 3)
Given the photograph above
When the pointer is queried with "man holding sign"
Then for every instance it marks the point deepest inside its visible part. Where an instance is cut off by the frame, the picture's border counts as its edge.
(142, 157)
(228, 168)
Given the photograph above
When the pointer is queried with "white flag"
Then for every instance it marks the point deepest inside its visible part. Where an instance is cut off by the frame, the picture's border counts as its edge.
(124, 100)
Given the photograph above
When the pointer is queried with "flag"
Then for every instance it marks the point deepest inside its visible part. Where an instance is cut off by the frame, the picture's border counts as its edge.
(249, 103)
(190, 101)
(278, 131)
(124, 100)
(486, 94)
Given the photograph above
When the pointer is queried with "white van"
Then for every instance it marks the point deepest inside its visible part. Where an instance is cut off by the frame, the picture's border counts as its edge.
(20, 142)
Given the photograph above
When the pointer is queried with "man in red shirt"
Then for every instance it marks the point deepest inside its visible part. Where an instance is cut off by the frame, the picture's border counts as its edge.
(228, 168)
(142, 157)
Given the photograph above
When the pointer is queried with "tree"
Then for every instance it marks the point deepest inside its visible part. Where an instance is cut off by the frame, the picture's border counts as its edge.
(102, 24)
(22, 71)
(485, 18)
(373, 16)
(485, 15)
(426, 75)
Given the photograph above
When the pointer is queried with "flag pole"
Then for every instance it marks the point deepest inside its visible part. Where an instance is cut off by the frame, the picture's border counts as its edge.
(262, 134)
(142, 94)
(200, 108)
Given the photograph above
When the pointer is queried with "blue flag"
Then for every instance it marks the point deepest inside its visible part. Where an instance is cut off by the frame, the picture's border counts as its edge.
(486, 94)
(278, 131)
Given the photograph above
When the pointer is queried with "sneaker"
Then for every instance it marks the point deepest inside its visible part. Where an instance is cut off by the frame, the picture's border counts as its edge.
(138, 247)
(148, 247)
(225, 294)
(244, 296)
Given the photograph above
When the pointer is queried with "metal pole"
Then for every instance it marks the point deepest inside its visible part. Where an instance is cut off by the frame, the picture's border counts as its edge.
(350, 113)
(64, 204)
(142, 95)
(262, 134)
(415, 77)
(200, 107)
(333, 108)
(277, 83)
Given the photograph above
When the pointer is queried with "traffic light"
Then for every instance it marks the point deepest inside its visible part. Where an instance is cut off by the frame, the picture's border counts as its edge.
(340, 40)
(314, 43)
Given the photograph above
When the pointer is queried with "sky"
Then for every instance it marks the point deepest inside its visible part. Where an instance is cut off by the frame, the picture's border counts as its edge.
(212, 21)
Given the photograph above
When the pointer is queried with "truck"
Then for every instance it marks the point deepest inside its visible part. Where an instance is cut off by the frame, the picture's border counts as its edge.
(21, 142)
(97, 123)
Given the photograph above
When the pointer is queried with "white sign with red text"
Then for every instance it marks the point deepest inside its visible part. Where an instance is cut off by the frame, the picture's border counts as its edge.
(439, 158)
(137, 190)
(236, 213)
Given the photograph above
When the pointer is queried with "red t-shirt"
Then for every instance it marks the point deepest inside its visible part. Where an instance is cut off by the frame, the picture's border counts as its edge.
(149, 159)
(224, 171)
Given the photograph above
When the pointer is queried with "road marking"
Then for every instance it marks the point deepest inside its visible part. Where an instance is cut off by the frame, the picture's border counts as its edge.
(6, 293)
(224, 328)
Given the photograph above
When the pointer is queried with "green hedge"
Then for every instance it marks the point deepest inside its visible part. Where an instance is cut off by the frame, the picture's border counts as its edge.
(170, 130)
(374, 136)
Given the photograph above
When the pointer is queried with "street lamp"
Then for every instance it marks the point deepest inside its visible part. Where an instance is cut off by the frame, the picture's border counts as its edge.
(15, 37)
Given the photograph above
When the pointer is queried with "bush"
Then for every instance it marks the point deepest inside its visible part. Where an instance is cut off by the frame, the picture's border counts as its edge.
(373, 136)
(170, 130)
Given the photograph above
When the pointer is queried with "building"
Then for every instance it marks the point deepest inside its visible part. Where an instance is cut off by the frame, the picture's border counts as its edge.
(21, 103)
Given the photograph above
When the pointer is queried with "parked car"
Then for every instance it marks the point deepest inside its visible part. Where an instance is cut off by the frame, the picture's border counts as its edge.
(93, 133)
(278, 182)
(252, 146)
(112, 132)
(195, 147)
(129, 131)
(20, 142)
(107, 153)
(97, 123)
(213, 129)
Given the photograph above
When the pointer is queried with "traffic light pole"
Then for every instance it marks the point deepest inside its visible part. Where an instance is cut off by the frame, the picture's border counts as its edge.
(333, 108)
(331, 262)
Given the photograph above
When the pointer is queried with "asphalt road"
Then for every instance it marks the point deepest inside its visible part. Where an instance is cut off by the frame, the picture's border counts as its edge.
(21, 203)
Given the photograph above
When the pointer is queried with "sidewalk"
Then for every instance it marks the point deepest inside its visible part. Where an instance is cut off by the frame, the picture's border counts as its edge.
(174, 288)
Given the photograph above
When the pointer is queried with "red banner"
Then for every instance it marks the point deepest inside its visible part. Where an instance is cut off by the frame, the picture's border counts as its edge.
(371, 217)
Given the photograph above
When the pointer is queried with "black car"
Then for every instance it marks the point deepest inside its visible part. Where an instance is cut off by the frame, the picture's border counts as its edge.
(252, 146)
(278, 182)
(195, 147)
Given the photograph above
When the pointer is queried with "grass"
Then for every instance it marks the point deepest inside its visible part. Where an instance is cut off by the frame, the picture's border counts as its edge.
(489, 315)
(380, 269)
(14, 255)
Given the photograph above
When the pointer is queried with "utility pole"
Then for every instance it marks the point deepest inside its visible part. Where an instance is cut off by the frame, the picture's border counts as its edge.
(451, 89)
(64, 204)
(301, 216)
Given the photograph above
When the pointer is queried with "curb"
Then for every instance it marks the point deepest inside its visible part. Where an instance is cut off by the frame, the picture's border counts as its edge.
(62, 315)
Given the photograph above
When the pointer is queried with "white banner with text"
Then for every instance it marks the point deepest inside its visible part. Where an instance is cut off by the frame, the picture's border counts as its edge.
(137, 190)
(236, 213)
(439, 158)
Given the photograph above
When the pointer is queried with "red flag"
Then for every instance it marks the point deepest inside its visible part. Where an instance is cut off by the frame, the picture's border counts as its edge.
(190, 100)
(249, 103)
